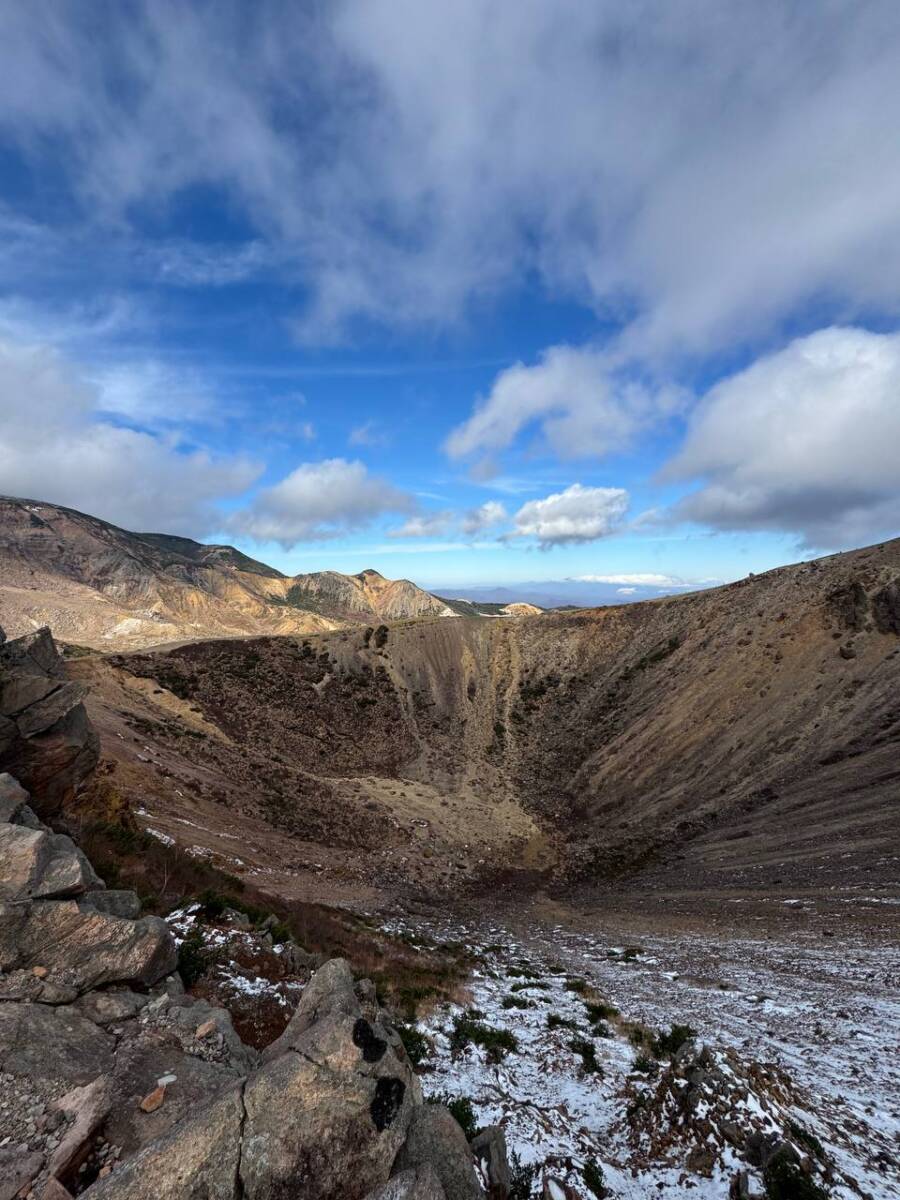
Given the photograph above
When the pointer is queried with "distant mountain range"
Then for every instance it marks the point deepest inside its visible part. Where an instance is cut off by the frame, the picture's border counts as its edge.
(98, 585)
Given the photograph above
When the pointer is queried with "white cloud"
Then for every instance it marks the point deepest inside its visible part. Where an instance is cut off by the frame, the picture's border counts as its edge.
(425, 525)
(368, 434)
(701, 167)
(804, 440)
(317, 501)
(492, 512)
(56, 446)
(579, 514)
(645, 579)
(625, 591)
(581, 404)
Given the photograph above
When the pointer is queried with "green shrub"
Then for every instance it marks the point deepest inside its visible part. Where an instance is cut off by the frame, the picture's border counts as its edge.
(594, 1181)
(497, 1042)
(555, 1021)
(784, 1180)
(516, 1002)
(636, 1037)
(585, 1050)
(600, 1011)
(576, 985)
(522, 1178)
(667, 1044)
(645, 1064)
(808, 1140)
(462, 1110)
(602, 1030)
(193, 957)
(414, 1043)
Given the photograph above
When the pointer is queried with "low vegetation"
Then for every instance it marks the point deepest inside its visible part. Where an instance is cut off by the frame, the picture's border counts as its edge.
(469, 1030)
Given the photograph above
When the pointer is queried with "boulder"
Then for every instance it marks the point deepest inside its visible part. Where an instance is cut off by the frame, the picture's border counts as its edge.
(330, 991)
(328, 1118)
(87, 1108)
(421, 1183)
(85, 949)
(12, 921)
(52, 1045)
(196, 1159)
(110, 1008)
(200, 1013)
(435, 1138)
(39, 865)
(489, 1148)
(886, 608)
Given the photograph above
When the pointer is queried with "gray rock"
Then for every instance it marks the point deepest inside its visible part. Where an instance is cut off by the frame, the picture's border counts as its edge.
(329, 1118)
(17, 1170)
(87, 949)
(52, 1045)
(419, 1184)
(52, 708)
(489, 1148)
(140, 1064)
(114, 902)
(434, 1137)
(39, 865)
(12, 797)
(329, 992)
(197, 1160)
(190, 1016)
(87, 1108)
(110, 1008)
(12, 921)
(886, 608)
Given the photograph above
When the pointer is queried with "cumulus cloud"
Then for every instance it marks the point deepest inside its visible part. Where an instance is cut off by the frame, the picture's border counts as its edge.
(424, 525)
(320, 500)
(492, 512)
(581, 405)
(804, 440)
(56, 445)
(699, 168)
(577, 515)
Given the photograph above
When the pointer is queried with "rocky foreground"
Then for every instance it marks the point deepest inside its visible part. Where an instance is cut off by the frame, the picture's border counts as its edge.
(116, 1082)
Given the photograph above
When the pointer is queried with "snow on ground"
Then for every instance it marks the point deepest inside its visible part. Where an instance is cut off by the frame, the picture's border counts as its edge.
(794, 1035)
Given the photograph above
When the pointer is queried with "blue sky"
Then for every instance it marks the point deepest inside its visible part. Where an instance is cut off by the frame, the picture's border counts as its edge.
(472, 293)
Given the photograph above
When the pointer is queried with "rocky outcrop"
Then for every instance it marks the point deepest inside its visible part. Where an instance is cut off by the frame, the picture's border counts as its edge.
(46, 739)
(150, 1093)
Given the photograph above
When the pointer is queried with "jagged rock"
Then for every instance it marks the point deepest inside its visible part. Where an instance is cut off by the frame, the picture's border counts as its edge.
(113, 902)
(46, 739)
(85, 949)
(328, 1116)
(17, 1170)
(489, 1147)
(110, 1008)
(56, 1045)
(197, 1158)
(13, 797)
(38, 865)
(419, 1184)
(329, 992)
(435, 1138)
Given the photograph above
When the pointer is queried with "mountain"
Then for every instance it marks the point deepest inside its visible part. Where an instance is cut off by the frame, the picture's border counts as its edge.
(104, 587)
(739, 738)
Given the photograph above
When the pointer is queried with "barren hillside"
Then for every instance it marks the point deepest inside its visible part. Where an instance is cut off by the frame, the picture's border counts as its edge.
(101, 586)
(735, 738)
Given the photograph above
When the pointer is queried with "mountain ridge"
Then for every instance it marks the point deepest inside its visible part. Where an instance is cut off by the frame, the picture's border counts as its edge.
(102, 586)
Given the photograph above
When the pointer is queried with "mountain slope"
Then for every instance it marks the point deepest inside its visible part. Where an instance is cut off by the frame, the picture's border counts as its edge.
(102, 586)
(743, 735)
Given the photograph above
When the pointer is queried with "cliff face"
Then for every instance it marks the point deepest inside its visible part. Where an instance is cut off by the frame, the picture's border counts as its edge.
(46, 739)
(100, 586)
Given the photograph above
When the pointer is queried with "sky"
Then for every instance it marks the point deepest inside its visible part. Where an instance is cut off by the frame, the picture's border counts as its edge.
(476, 294)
